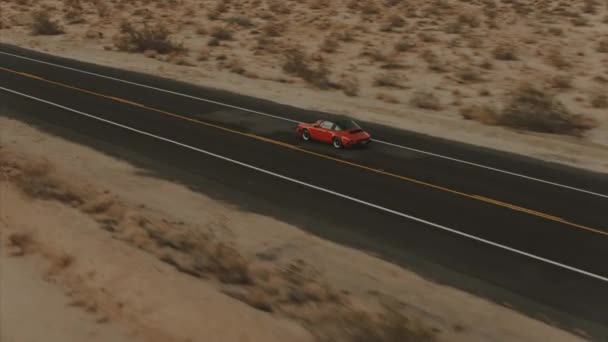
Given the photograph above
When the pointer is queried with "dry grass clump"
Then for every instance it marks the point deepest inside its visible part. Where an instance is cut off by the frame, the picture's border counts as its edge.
(533, 109)
(19, 244)
(298, 64)
(350, 86)
(404, 45)
(389, 325)
(388, 98)
(330, 44)
(222, 33)
(468, 75)
(561, 82)
(241, 21)
(599, 100)
(481, 113)
(602, 45)
(34, 180)
(146, 38)
(388, 80)
(43, 25)
(505, 52)
(557, 59)
(425, 100)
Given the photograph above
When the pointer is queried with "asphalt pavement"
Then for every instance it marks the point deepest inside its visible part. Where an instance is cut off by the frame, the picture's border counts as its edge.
(524, 233)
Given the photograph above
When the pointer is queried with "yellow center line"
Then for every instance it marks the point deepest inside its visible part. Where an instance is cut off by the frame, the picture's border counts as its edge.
(320, 155)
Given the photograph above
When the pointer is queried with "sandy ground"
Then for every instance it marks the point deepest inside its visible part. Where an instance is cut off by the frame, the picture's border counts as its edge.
(383, 59)
(112, 260)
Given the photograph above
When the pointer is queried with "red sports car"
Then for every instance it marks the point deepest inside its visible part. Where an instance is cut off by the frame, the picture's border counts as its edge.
(342, 133)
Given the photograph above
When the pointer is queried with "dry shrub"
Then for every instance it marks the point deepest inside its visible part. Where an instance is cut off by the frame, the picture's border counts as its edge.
(330, 44)
(387, 98)
(468, 75)
(156, 38)
(470, 19)
(580, 21)
(350, 86)
(481, 113)
(298, 64)
(557, 59)
(602, 45)
(389, 325)
(279, 7)
(590, 6)
(505, 52)
(20, 243)
(404, 45)
(241, 21)
(561, 82)
(43, 25)
(35, 181)
(599, 100)
(102, 7)
(389, 80)
(73, 17)
(219, 9)
(222, 33)
(393, 22)
(425, 100)
(534, 109)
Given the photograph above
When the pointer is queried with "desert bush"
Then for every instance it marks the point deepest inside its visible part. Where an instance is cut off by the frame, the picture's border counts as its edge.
(350, 86)
(389, 80)
(20, 243)
(561, 82)
(329, 45)
(602, 45)
(387, 98)
(404, 45)
(557, 59)
(468, 75)
(580, 21)
(74, 16)
(534, 109)
(43, 25)
(599, 100)
(221, 33)
(390, 325)
(393, 21)
(590, 6)
(156, 38)
(297, 63)
(425, 100)
(240, 21)
(505, 52)
(481, 113)
(470, 19)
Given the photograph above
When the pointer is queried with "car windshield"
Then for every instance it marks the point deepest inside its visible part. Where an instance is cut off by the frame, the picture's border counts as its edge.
(345, 125)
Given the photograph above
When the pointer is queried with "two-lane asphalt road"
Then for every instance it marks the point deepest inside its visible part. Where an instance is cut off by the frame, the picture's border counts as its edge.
(512, 229)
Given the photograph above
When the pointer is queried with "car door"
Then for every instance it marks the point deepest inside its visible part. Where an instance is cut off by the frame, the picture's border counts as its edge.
(324, 132)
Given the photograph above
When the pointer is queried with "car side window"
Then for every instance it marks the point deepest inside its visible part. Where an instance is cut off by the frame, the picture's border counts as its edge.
(327, 125)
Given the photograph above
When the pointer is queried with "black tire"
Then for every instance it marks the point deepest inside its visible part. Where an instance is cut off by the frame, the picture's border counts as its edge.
(337, 143)
(305, 135)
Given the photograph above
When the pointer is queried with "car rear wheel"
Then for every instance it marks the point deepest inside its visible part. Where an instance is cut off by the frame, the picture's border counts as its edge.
(305, 135)
(337, 143)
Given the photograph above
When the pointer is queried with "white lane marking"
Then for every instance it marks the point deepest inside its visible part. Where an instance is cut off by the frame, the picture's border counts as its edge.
(493, 169)
(318, 188)
(296, 121)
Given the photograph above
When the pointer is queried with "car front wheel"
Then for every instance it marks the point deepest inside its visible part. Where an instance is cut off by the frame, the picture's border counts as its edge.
(337, 143)
(305, 135)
